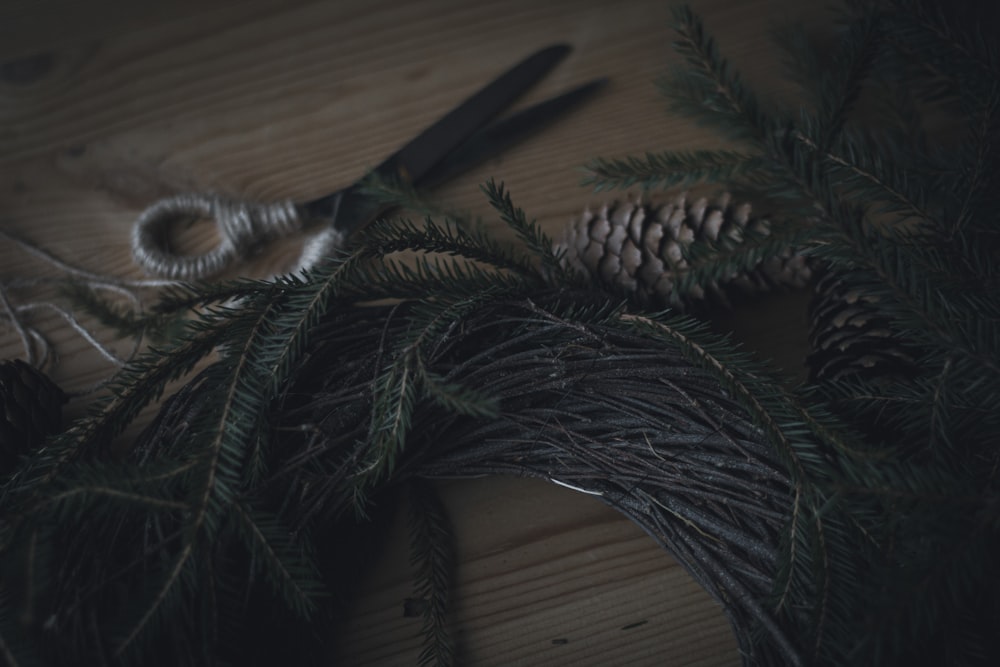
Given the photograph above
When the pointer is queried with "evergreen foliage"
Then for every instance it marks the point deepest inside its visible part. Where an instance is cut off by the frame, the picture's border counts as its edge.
(432, 554)
(853, 521)
(891, 168)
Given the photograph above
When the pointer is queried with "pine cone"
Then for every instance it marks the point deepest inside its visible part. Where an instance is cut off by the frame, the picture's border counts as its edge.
(641, 249)
(849, 336)
(30, 410)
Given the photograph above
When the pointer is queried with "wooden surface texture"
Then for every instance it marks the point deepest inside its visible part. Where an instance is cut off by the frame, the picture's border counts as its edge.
(104, 107)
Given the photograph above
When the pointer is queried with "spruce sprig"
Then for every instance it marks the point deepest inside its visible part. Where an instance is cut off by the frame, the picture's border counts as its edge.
(536, 242)
(222, 439)
(715, 261)
(432, 554)
(906, 220)
(668, 169)
(842, 84)
(450, 238)
(285, 561)
(709, 89)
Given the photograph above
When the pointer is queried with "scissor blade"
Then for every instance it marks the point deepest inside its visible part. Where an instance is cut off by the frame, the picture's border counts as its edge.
(349, 209)
(506, 132)
(415, 159)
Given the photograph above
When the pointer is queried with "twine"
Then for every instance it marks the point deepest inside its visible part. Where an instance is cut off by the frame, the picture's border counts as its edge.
(242, 226)
(319, 248)
(37, 349)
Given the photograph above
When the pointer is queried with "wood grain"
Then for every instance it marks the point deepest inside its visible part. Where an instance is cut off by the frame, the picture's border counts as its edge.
(547, 577)
(106, 106)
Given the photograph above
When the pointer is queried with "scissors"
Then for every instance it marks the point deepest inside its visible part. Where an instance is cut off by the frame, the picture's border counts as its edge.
(454, 143)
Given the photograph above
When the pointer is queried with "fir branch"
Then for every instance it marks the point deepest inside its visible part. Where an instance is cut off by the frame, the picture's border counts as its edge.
(708, 88)
(717, 262)
(226, 433)
(432, 552)
(165, 318)
(183, 297)
(804, 61)
(166, 594)
(394, 398)
(668, 169)
(280, 558)
(422, 277)
(929, 35)
(385, 237)
(144, 380)
(980, 171)
(871, 176)
(957, 560)
(132, 498)
(140, 383)
(902, 118)
(841, 86)
(285, 338)
(537, 242)
(77, 488)
(889, 267)
(459, 399)
(860, 247)
(397, 389)
(430, 325)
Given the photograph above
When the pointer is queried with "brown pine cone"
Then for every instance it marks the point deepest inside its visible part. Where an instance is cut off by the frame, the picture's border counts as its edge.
(848, 336)
(640, 248)
(30, 410)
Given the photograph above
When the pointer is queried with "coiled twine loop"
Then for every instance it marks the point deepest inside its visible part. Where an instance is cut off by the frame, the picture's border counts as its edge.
(242, 226)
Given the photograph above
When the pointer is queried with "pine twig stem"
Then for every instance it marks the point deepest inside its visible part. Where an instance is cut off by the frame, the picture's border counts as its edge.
(112, 492)
(983, 144)
(916, 211)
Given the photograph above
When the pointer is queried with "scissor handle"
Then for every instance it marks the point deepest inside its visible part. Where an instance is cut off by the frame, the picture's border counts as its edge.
(242, 225)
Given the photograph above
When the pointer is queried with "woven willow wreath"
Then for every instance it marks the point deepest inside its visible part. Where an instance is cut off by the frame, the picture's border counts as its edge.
(590, 404)
(601, 402)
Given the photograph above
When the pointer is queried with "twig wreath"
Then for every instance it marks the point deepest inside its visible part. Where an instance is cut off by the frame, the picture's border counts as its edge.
(853, 520)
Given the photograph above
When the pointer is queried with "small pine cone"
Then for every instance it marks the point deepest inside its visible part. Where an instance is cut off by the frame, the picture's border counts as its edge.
(848, 336)
(30, 410)
(641, 249)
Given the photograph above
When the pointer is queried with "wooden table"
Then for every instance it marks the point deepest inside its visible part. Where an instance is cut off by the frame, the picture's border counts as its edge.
(107, 106)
